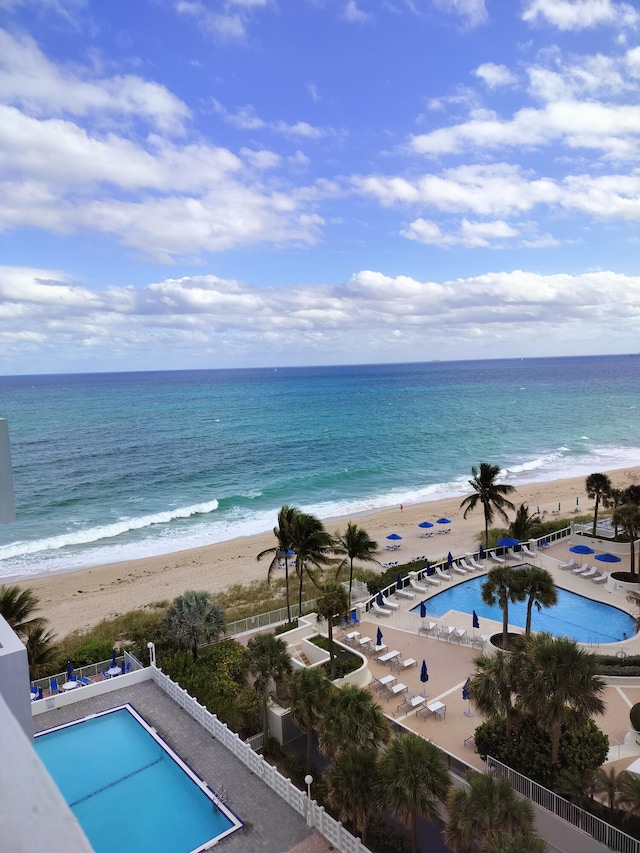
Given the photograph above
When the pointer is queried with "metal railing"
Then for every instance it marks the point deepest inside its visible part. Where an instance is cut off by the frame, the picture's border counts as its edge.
(92, 670)
(597, 828)
(266, 620)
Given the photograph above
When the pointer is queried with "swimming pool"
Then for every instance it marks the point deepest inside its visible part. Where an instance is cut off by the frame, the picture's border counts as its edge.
(574, 616)
(128, 789)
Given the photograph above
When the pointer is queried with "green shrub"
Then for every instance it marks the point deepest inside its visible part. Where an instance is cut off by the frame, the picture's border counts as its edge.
(345, 660)
(634, 716)
(92, 651)
(287, 626)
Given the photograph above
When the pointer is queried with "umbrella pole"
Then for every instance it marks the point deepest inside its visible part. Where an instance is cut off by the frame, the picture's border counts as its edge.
(469, 712)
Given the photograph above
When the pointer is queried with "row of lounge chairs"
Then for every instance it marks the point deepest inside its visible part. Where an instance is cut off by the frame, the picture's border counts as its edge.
(584, 571)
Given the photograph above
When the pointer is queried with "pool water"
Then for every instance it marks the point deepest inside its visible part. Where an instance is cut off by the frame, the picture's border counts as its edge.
(128, 790)
(573, 616)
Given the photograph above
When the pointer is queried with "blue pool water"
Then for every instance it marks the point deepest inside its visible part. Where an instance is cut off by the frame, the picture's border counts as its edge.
(574, 616)
(128, 790)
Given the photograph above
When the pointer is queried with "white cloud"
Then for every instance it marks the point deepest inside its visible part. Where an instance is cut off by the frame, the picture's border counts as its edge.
(229, 23)
(246, 118)
(354, 14)
(29, 80)
(473, 12)
(494, 75)
(471, 235)
(580, 14)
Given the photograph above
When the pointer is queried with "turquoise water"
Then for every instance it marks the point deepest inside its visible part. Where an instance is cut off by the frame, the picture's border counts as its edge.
(127, 792)
(110, 467)
(574, 616)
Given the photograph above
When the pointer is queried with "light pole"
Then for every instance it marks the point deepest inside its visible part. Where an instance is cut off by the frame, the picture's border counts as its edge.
(308, 781)
(152, 653)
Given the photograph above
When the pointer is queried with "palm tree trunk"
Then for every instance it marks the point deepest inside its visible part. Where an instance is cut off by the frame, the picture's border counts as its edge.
(527, 628)
(300, 593)
(194, 649)
(555, 739)
(286, 586)
(414, 831)
(265, 718)
(350, 581)
(505, 623)
(332, 659)
(595, 514)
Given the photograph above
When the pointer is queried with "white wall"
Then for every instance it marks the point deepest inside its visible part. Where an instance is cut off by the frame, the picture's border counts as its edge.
(7, 504)
(14, 677)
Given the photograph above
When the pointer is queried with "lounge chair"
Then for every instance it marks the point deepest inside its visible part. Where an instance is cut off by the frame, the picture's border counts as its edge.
(404, 593)
(459, 634)
(462, 562)
(570, 564)
(432, 581)
(84, 680)
(458, 570)
(476, 565)
(527, 551)
(104, 674)
(591, 573)
(495, 559)
(391, 604)
(580, 569)
(543, 543)
(380, 611)
(354, 618)
(428, 628)
(53, 686)
(604, 577)
(415, 585)
(510, 554)
(442, 573)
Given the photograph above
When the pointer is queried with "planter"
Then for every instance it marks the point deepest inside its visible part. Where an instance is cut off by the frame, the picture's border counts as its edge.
(496, 640)
(618, 582)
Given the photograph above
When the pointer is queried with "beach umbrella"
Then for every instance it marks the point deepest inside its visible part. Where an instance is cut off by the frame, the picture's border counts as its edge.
(465, 696)
(508, 542)
(379, 599)
(607, 558)
(476, 621)
(424, 673)
(379, 638)
(398, 581)
(423, 610)
(425, 525)
(429, 569)
(69, 670)
(443, 521)
(394, 536)
(481, 553)
(450, 559)
(581, 549)
(123, 666)
(113, 658)
(288, 553)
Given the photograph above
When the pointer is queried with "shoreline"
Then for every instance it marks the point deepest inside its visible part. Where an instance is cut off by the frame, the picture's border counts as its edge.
(79, 598)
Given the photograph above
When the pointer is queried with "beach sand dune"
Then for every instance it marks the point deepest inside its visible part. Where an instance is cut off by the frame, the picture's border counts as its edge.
(80, 599)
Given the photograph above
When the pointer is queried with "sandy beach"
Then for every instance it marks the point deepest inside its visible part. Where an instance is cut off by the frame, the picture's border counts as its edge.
(79, 599)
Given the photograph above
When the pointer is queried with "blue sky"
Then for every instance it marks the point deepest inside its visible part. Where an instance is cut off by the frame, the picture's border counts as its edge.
(190, 183)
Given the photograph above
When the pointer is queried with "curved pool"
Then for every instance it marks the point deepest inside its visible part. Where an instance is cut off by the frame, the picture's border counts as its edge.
(574, 616)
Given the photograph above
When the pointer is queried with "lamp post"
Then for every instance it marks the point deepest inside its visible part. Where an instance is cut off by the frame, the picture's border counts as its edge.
(308, 781)
(152, 653)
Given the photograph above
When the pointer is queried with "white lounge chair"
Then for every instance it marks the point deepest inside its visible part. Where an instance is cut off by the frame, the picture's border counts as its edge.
(527, 551)
(415, 585)
(462, 562)
(580, 569)
(476, 565)
(442, 574)
(495, 559)
(458, 570)
(391, 604)
(591, 573)
(431, 580)
(404, 593)
(604, 577)
(460, 634)
(511, 555)
(380, 611)
(568, 565)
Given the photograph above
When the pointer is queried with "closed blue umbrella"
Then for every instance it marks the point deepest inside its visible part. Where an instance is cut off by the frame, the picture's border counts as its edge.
(450, 558)
(424, 673)
(423, 610)
(476, 621)
(466, 697)
(398, 582)
(379, 599)
(123, 666)
(481, 553)
(69, 670)
(379, 638)
(113, 658)
(429, 570)
(607, 558)
(508, 542)
(581, 549)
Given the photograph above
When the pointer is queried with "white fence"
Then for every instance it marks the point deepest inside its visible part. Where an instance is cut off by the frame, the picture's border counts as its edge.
(316, 816)
(603, 832)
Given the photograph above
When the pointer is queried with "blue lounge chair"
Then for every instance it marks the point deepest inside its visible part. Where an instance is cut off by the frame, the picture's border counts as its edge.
(84, 680)
(53, 686)
(354, 618)
(104, 673)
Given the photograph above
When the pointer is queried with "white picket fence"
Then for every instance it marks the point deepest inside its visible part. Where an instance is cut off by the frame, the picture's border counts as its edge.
(316, 816)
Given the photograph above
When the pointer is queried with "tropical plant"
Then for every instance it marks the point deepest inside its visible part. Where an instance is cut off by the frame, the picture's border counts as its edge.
(610, 783)
(539, 591)
(414, 779)
(630, 792)
(514, 842)
(627, 517)
(282, 549)
(353, 717)
(598, 487)
(634, 717)
(313, 546)
(17, 606)
(488, 493)
(503, 585)
(331, 604)
(352, 786)
(40, 647)
(309, 692)
(356, 544)
(270, 661)
(522, 526)
(616, 499)
(488, 806)
(193, 618)
(493, 687)
(577, 785)
(559, 684)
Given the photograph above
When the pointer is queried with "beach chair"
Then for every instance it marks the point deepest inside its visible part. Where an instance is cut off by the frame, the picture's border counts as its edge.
(495, 559)
(591, 573)
(391, 604)
(404, 593)
(84, 680)
(476, 565)
(442, 574)
(380, 611)
(464, 562)
(604, 577)
(570, 564)
(431, 581)
(458, 570)
(580, 569)
(527, 551)
(543, 543)
(354, 618)
(53, 686)
(510, 554)
(413, 583)
(104, 674)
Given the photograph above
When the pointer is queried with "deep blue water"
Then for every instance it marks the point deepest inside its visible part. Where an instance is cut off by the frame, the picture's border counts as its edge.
(116, 466)
(574, 616)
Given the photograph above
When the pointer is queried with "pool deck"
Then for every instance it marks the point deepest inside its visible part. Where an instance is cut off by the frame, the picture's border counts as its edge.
(270, 825)
(450, 662)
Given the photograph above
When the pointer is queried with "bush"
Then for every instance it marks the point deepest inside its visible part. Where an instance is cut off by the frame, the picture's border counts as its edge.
(288, 626)
(634, 717)
(92, 651)
(345, 660)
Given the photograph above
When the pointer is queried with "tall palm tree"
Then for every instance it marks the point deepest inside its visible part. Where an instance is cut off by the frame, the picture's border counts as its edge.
(503, 585)
(627, 517)
(539, 591)
(630, 792)
(493, 686)
(333, 602)
(18, 606)
(353, 717)
(488, 493)
(523, 523)
(40, 644)
(414, 780)
(282, 548)
(514, 842)
(486, 807)
(193, 618)
(312, 544)
(598, 486)
(616, 499)
(356, 544)
(309, 692)
(611, 783)
(270, 661)
(557, 677)
(352, 786)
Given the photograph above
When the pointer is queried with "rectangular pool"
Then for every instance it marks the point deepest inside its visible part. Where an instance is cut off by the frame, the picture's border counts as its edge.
(130, 792)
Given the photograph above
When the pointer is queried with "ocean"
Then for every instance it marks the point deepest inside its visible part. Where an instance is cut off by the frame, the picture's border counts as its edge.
(117, 466)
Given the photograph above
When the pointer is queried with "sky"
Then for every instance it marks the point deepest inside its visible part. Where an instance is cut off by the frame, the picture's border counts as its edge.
(237, 183)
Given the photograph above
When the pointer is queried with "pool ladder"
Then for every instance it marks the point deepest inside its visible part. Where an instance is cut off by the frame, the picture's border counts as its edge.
(594, 641)
(221, 794)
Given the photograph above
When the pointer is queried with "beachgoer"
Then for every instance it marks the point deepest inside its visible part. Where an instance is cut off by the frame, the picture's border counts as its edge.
(401, 507)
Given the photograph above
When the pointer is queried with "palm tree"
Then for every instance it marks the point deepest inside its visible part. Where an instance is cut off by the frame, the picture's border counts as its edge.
(40, 644)
(522, 524)
(356, 544)
(414, 779)
(488, 806)
(333, 602)
(352, 785)
(616, 499)
(539, 591)
(270, 661)
(493, 686)
(353, 717)
(488, 493)
(192, 618)
(597, 486)
(312, 544)
(627, 517)
(514, 842)
(282, 548)
(557, 676)
(503, 585)
(611, 783)
(630, 791)
(17, 606)
(309, 692)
